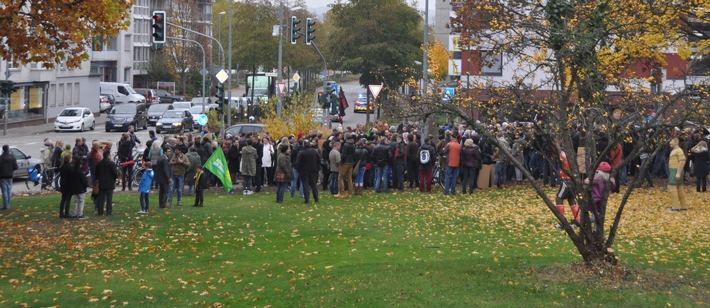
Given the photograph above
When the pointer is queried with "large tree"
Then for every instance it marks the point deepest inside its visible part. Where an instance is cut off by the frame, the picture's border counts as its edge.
(583, 70)
(53, 32)
(379, 38)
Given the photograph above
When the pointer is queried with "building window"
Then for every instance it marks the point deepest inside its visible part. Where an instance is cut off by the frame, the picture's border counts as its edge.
(60, 94)
(127, 44)
(491, 63)
(111, 44)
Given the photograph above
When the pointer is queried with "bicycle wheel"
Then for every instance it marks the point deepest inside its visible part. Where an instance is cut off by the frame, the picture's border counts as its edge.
(137, 175)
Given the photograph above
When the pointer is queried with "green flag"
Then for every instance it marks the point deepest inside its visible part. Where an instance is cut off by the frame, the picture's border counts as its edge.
(217, 164)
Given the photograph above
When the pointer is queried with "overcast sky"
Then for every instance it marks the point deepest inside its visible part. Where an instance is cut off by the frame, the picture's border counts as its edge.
(321, 6)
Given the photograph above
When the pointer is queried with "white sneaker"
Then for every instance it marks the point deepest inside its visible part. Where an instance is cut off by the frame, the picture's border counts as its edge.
(558, 226)
(140, 212)
(249, 192)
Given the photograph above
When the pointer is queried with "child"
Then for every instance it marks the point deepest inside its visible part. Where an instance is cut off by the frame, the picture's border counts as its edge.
(601, 177)
(144, 186)
(201, 183)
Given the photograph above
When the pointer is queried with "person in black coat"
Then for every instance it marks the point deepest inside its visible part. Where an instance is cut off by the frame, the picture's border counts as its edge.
(162, 177)
(308, 166)
(106, 174)
(67, 188)
(701, 165)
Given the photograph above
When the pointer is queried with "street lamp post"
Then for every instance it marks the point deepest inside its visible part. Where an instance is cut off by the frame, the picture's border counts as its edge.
(219, 30)
(280, 64)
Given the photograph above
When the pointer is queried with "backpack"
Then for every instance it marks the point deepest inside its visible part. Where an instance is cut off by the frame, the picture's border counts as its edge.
(424, 156)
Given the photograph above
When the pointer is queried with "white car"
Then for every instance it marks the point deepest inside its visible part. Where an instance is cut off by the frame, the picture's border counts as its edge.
(77, 118)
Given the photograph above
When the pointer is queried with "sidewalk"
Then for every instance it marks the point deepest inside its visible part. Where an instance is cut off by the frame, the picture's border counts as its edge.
(42, 128)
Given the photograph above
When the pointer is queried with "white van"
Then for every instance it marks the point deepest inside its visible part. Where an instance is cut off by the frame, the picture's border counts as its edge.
(123, 92)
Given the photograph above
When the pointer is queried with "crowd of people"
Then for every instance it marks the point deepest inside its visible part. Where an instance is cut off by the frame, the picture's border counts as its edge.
(350, 160)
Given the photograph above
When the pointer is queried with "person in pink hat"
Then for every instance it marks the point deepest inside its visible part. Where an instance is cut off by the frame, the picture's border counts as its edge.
(599, 183)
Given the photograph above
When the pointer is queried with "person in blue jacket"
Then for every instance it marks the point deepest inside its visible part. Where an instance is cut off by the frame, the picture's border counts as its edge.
(144, 187)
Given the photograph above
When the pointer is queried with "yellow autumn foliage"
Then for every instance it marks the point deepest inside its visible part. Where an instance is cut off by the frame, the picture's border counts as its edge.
(296, 116)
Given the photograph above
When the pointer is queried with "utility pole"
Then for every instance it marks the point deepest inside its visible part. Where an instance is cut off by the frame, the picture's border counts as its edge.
(280, 64)
(7, 100)
(229, 69)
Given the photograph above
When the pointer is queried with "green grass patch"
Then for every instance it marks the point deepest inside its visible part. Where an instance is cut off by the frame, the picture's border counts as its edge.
(494, 248)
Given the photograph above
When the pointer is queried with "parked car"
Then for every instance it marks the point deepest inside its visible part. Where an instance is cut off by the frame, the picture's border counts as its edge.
(106, 101)
(75, 118)
(237, 130)
(151, 96)
(182, 105)
(155, 112)
(175, 121)
(168, 98)
(361, 104)
(122, 92)
(196, 111)
(124, 115)
(24, 161)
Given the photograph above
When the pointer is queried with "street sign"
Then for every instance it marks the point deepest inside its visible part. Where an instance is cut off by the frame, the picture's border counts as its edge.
(296, 77)
(222, 76)
(202, 119)
(281, 86)
(375, 90)
(335, 87)
(448, 94)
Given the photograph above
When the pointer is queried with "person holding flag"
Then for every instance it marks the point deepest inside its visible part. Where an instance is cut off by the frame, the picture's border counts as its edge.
(217, 164)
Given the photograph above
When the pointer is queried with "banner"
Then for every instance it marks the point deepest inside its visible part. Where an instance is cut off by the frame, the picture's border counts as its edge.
(343, 102)
(217, 164)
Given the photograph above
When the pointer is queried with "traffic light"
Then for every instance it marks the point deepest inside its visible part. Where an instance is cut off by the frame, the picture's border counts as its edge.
(7, 87)
(322, 100)
(310, 28)
(220, 97)
(159, 23)
(295, 29)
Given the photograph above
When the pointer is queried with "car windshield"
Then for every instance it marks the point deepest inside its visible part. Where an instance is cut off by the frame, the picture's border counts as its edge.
(123, 109)
(70, 113)
(173, 114)
(130, 89)
(182, 105)
(197, 110)
(158, 108)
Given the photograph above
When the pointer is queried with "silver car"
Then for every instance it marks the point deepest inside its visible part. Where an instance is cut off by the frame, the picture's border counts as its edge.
(24, 161)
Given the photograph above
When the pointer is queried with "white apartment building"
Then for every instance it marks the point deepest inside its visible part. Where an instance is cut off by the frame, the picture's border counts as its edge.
(44, 93)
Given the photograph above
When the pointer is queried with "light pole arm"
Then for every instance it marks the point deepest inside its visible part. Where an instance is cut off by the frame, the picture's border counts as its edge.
(203, 64)
(201, 34)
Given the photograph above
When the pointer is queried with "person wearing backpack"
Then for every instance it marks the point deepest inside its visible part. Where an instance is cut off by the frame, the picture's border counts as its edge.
(427, 159)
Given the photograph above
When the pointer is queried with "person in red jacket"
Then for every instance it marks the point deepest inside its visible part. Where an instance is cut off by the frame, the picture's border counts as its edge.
(616, 155)
(566, 191)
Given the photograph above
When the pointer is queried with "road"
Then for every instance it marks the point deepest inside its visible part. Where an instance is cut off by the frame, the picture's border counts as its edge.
(351, 118)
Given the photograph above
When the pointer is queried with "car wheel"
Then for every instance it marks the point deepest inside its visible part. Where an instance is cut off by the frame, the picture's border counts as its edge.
(145, 125)
(157, 131)
(93, 125)
(108, 129)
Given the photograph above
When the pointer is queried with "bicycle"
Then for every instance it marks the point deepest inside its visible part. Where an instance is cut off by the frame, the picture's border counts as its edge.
(137, 167)
(49, 178)
(438, 175)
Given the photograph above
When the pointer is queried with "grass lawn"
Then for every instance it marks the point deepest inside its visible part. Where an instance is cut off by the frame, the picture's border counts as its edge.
(493, 248)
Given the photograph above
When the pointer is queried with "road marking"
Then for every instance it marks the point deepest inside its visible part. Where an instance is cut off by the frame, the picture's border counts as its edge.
(31, 143)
